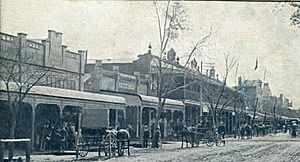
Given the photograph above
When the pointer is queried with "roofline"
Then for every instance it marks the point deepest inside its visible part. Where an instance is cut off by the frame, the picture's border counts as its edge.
(140, 96)
(30, 93)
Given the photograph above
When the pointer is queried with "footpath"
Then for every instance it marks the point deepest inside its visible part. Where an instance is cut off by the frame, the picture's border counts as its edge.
(93, 156)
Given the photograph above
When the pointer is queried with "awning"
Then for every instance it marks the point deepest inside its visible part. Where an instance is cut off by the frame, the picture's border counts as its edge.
(190, 102)
(229, 108)
(131, 99)
(66, 93)
(150, 101)
(285, 117)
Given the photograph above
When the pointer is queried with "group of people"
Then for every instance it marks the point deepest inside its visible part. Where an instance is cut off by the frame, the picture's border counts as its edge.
(147, 136)
(245, 131)
(58, 138)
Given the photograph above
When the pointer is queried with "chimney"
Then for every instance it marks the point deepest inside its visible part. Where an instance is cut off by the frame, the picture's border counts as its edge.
(51, 34)
(22, 39)
(59, 37)
(56, 36)
(46, 44)
(64, 51)
(22, 43)
(82, 57)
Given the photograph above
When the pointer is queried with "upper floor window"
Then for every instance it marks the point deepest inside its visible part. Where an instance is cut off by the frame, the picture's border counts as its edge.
(7, 38)
(33, 45)
(72, 55)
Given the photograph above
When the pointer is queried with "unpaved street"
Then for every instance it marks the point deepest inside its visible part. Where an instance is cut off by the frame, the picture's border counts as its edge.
(234, 151)
(277, 148)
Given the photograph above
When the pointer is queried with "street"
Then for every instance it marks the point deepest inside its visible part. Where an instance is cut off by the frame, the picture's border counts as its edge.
(276, 148)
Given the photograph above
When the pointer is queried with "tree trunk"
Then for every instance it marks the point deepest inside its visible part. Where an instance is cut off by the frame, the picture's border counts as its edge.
(12, 129)
(155, 126)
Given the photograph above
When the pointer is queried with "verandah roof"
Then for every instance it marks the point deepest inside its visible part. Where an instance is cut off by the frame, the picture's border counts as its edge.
(66, 93)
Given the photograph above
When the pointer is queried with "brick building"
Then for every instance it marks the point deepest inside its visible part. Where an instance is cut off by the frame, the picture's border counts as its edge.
(25, 60)
(197, 97)
(66, 67)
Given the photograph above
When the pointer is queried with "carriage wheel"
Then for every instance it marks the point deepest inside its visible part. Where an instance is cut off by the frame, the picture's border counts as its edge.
(209, 141)
(83, 150)
(112, 143)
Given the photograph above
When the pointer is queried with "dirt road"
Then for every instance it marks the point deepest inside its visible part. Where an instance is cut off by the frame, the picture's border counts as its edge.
(267, 149)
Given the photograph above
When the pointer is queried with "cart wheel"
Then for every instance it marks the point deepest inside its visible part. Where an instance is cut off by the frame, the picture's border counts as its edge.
(209, 141)
(112, 141)
(83, 150)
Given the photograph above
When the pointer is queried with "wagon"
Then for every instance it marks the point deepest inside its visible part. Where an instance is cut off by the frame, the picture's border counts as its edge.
(88, 142)
(110, 144)
(201, 134)
(96, 133)
(194, 138)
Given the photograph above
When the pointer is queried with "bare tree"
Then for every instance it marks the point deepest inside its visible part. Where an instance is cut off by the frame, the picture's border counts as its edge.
(170, 21)
(19, 72)
(216, 92)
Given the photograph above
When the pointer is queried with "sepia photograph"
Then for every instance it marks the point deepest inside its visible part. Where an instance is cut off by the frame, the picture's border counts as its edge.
(149, 81)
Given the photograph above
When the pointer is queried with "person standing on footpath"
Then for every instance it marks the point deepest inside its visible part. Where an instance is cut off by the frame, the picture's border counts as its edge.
(294, 127)
(156, 137)
(146, 137)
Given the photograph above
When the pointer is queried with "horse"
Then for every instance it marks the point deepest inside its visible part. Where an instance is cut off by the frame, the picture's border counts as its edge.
(190, 135)
(123, 136)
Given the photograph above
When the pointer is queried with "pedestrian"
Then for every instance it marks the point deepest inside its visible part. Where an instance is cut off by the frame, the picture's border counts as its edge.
(146, 137)
(63, 134)
(242, 131)
(284, 128)
(294, 127)
(221, 130)
(157, 136)
(131, 131)
(248, 130)
(71, 136)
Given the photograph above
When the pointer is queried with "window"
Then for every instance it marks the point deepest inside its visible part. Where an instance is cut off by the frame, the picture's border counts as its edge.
(6, 37)
(33, 45)
(72, 55)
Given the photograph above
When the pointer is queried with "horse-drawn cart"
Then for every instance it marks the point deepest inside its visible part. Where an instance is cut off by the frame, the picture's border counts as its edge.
(196, 137)
(112, 143)
(97, 135)
(202, 133)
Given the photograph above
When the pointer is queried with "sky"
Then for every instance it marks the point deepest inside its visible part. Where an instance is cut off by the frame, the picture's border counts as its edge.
(124, 29)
